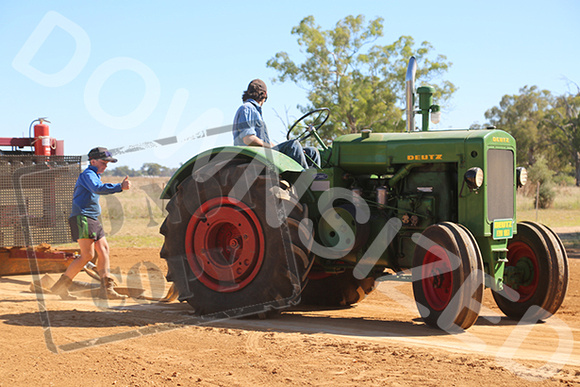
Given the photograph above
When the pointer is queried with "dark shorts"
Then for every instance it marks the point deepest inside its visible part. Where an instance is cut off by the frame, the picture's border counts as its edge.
(82, 227)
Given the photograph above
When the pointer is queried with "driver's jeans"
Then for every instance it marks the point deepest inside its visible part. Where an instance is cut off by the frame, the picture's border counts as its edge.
(307, 157)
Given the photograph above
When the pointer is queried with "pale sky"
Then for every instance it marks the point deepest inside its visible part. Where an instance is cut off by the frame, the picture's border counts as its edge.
(118, 73)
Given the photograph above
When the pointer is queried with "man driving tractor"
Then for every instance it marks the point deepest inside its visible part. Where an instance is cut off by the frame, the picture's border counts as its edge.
(249, 128)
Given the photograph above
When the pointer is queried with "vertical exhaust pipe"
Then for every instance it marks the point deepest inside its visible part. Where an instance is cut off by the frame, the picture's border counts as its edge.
(410, 93)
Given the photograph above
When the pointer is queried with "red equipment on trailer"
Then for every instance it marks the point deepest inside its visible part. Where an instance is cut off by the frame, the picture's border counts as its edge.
(36, 189)
(42, 143)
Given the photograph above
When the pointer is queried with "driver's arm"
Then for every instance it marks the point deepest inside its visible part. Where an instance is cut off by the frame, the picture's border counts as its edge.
(254, 140)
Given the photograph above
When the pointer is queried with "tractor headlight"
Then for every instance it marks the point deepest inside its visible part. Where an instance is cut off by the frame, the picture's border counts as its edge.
(474, 178)
(521, 176)
(435, 114)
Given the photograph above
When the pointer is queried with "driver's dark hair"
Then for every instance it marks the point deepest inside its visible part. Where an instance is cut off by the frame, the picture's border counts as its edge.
(257, 96)
(256, 90)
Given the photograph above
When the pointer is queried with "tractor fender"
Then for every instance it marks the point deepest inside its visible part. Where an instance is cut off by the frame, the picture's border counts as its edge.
(273, 159)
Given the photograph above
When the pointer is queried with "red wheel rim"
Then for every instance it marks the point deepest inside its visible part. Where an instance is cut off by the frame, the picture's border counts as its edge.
(224, 244)
(522, 257)
(437, 278)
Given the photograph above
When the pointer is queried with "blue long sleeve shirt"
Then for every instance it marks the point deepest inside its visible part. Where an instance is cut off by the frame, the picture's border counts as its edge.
(86, 194)
(248, 121)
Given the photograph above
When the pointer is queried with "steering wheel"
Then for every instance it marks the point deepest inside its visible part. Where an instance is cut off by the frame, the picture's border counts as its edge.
(309, 123)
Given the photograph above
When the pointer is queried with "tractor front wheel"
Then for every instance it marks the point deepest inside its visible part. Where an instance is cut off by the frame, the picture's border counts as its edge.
(536, 274)
(448, 277)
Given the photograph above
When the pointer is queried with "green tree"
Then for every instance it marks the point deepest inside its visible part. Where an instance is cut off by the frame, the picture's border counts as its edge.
(563, 127)
(362, 83)
(522, 115)
(540, 173)
(543, 126)
(152, 169)
(123, 171)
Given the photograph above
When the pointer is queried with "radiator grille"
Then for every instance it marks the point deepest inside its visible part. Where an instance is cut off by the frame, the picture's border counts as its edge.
(35, 198)
(500, 184)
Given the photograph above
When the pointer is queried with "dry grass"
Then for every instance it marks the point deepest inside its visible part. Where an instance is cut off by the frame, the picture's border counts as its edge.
(564, 212)
(133, 218)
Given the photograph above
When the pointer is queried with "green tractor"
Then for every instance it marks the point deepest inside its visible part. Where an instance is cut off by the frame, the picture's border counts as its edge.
(250, 232)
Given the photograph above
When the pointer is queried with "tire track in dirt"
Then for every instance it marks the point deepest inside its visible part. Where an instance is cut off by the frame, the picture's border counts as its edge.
(381, 319)
(529, 343)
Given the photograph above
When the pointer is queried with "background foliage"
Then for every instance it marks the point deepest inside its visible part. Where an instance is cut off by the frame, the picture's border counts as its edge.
(363, 83)
(546, 127)
(147, 169)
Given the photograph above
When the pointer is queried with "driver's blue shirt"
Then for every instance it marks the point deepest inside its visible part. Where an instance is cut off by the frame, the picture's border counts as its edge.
(249, 121)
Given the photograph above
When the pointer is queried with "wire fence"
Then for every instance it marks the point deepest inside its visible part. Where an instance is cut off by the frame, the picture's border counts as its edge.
(35, 198)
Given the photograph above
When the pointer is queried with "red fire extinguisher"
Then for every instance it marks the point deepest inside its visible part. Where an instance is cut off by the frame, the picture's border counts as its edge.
(42, 140)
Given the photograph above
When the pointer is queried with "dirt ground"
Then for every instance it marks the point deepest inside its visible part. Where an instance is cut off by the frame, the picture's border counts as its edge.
(381, 341)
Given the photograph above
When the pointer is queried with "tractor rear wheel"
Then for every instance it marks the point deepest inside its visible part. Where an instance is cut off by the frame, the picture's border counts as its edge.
(536, 273)
(341, 289)
(448, 277)
(232, 241)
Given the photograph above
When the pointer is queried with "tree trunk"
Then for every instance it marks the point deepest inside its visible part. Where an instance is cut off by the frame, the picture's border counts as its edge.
(577, 169)
(531, 155)
(351, 123)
